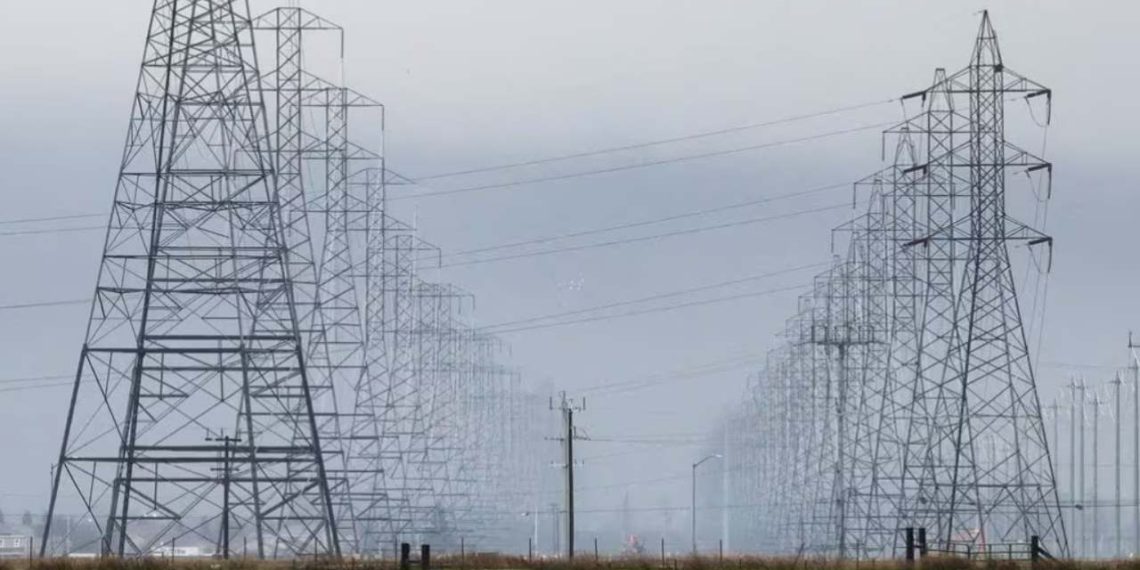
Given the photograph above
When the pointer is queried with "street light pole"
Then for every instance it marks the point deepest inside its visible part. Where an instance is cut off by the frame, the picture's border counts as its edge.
(694, 504)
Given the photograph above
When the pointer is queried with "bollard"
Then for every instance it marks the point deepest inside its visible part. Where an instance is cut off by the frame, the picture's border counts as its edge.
(908, 539)
(425, 556)
(405, 555)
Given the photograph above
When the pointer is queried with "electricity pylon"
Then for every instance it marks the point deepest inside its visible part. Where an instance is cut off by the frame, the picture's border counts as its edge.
(987, 388)
(329, 181)
(192, 416)
(909, 353)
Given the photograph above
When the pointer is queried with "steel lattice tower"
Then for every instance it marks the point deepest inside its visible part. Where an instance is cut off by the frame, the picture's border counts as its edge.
(318, 159)
(351, 417)
(285, 83)
(192, 415)
(908, 356)
(988, 390)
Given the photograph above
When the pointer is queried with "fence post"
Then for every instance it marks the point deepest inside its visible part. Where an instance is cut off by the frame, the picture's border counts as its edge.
(1034, 549)
(462, 548)
(720, 550)
(908, 540)
(405, 555)
(425, 556)
(922, 550)
(663, 551)
(595, 549)
(530, 548)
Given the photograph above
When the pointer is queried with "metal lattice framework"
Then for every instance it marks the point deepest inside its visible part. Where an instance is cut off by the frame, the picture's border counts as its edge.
(266, 364)
(409, 392)
(192, 415)
(909, 356)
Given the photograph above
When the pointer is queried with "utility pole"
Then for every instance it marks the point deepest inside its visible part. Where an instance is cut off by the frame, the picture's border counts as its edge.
(1117, 552)
(1082, 541)
(724, 491)
(1135, 366)
(1095, 537)
(567, 406)
(1073, 458)
(1055, 441)
(227, 445)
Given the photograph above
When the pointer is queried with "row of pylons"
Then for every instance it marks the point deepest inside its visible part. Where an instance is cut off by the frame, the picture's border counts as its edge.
(267, 371)
(903, 394)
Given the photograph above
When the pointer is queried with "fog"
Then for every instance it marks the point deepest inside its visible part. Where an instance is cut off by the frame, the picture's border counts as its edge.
(468, 85)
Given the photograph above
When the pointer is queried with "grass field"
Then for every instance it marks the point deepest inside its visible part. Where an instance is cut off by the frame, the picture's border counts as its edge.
(493, 562)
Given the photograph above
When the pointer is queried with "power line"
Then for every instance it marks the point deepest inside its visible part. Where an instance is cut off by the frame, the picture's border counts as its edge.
(52, 231)
(50, 218)
(700, 372)
(1079, 365)
(664, 295)
(670, 218)
(658, 296)
(522, 182)
(43, 304)
(554, 159)
(37, 387)
(673, 373)
(35, 378)
(624, 167)
(653, 237)
(653, 310)
(699, 135)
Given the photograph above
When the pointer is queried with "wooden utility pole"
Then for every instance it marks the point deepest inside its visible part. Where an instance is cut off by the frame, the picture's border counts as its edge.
(1135, 366)
(567, 406)
(1117, 549)
(227, 443)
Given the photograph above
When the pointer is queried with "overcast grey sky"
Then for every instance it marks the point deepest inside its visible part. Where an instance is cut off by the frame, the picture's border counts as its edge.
(471, 84)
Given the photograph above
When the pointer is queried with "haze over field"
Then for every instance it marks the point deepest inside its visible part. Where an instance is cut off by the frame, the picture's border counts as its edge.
(470, 85)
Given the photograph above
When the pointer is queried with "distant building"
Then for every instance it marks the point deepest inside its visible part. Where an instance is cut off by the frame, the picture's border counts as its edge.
(15, 546)
(180, 552)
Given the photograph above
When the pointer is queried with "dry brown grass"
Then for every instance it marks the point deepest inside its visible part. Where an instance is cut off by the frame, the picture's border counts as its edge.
(584, 562)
